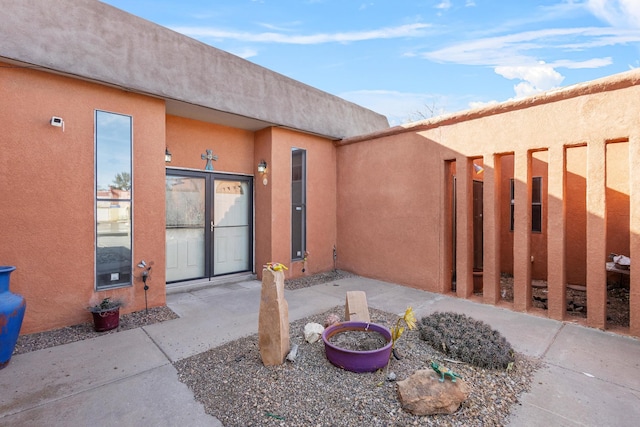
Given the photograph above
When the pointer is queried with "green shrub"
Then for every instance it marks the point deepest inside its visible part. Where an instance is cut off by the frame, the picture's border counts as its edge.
(466, 339)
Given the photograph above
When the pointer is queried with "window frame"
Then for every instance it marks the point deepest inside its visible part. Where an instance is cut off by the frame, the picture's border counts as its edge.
(302, 232)
(536, 204)
(115, 199)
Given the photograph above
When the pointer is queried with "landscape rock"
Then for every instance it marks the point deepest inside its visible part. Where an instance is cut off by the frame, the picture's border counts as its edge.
(423, 394)
(356, 308)
(313, 332)
(291, 357)
(331, 319)
(273, 320)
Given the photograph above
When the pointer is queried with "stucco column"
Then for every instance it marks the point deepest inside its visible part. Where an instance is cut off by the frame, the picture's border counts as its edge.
(263, 204)
(556, 236)
(446, 227)
(464, 228)
(522, 231)
(634, 235)
(491, 222)
(596, 235)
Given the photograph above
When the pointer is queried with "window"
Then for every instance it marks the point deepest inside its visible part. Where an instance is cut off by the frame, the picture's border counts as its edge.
(113, 200)
(512, 206)
(298, 203)
(536, 204)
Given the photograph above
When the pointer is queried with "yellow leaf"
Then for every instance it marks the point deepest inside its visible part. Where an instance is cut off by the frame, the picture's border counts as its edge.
(410, 318)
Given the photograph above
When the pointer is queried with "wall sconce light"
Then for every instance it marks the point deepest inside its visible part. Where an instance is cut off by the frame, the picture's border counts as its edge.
(262, 169)
(478, 169)
(167, 155)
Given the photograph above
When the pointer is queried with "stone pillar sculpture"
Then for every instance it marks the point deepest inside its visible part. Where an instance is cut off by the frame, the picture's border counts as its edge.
(273, 321)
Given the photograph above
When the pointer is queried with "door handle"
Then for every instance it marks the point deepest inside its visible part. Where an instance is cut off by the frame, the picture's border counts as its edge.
(211, 225)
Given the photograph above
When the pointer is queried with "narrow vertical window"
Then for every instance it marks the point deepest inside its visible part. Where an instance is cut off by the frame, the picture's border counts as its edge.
(512, 203)
(298, 203)
(113, 169)
(536, 204)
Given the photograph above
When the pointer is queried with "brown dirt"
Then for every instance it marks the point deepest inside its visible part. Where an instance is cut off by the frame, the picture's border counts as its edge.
(358, 340)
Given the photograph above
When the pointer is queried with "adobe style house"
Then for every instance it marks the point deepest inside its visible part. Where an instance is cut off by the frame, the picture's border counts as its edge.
(263, 168)
(559, 192)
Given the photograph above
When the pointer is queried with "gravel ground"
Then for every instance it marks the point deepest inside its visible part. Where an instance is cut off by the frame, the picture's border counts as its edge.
(40, 340)
(234, 386)
(69, 334)
(316, 279)
(617, 300)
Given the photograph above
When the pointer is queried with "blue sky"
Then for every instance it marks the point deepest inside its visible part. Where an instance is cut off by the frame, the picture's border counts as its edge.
(412, 59)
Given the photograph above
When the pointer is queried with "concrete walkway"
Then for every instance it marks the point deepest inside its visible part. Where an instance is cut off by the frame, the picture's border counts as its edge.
(590, 378)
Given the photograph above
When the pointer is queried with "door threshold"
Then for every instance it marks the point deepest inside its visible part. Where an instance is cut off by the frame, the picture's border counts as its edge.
(195, 285)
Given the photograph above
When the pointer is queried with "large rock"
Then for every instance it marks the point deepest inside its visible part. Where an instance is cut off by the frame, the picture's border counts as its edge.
(356, 308)
(423, 393)
(273, 321)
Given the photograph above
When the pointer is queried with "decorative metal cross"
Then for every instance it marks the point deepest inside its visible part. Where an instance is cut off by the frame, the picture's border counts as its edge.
(209, 156)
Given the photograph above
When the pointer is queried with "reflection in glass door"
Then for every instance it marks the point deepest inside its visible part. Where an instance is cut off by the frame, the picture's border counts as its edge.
(231, 226)
(209, 225)
(185, 235)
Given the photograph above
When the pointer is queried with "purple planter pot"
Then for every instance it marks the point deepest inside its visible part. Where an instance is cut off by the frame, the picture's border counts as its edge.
(357, 361)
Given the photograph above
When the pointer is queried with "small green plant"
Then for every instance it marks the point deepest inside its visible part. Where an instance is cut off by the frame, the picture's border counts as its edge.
(466, 339)
(409, 319)
(107, 304)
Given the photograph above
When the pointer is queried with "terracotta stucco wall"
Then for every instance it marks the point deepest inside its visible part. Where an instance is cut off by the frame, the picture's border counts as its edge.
(617, 208)
(576, 202)
(390, 209)
(390, 189)
(48, 196)
(188, 139)
(273, 201)
(617, 194)
(538, 239)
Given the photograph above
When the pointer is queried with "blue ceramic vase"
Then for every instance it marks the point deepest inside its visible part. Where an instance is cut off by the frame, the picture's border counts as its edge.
(12, 307)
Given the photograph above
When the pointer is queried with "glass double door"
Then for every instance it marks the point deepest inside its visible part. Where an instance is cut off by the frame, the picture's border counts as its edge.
(209, 225)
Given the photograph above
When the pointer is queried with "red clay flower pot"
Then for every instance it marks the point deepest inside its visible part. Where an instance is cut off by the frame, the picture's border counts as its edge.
(106, 320)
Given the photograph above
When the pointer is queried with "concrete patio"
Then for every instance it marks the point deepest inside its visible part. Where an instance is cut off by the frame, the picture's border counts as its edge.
(590, 377)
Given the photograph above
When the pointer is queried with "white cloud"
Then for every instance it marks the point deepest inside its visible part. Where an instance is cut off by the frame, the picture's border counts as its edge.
(589, 63)
(470, 3)
(245, 53)
(278, 27)
(444, 5)
(480, 104)
(618, 13)
(513, 48)
(541, 76)
(517, 56)
(408, 30)
(399, 107)
(524, 89)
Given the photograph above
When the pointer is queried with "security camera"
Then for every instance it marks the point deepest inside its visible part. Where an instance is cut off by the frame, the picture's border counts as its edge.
(57, 121)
